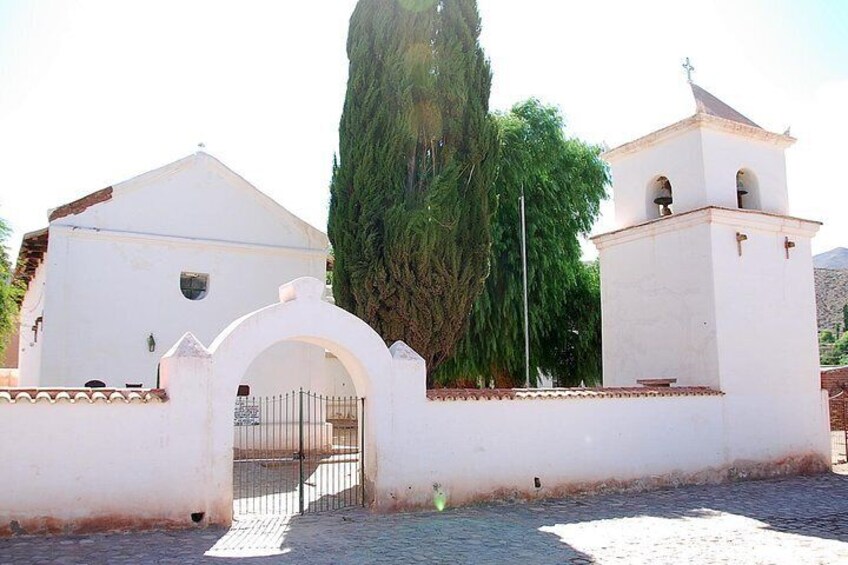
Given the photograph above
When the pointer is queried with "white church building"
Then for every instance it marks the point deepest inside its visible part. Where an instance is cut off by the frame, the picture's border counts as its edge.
(121, 274)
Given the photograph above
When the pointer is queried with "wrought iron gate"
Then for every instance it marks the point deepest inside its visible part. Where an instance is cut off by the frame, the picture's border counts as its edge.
(298, 452)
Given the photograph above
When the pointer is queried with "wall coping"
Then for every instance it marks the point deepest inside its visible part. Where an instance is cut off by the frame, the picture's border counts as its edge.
(735, 217)
(12, 395)
(445, 394)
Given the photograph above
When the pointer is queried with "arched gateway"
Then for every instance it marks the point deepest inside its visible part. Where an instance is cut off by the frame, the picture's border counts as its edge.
(381, 375)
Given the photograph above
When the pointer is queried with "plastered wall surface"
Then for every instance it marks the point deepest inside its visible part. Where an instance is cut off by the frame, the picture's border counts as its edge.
(76, 468)
(111, 274)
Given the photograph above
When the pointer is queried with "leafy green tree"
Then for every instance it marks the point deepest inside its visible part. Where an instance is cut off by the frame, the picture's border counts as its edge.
(564, 181)
(826, 336)
(571, 349)
(10, 292)
(838, 354)
(409, 199)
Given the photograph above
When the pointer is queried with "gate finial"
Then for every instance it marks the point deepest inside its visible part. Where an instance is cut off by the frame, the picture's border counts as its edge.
(188, 346)
(303, 288)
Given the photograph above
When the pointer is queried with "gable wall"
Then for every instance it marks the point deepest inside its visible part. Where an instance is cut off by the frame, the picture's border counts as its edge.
(114, 269)
(197, 198)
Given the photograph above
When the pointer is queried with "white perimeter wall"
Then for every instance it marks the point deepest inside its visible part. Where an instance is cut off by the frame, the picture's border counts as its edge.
(154, 464)
(474, 449)
(106, 465)
(85, 463)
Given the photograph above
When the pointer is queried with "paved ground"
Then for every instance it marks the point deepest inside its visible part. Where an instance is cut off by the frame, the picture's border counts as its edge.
(792, 521)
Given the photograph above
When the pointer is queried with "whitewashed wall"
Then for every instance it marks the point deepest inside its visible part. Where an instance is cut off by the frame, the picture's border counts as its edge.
(287, 367)
(99, 466)
(81, 464)
(117, 289)
(480, 449)
(32, 307)
(111, 275)
(700, 156)
(658, 305)
(678, 158)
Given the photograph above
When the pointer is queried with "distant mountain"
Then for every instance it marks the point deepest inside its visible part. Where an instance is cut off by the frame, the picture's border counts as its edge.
(831, 297)
(834, 259)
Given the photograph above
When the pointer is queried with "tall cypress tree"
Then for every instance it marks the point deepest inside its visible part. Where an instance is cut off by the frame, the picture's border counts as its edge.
(409, 207)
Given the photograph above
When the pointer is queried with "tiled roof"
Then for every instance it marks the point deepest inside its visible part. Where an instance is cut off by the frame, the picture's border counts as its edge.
(83, 395)
(80, 205)
(34, 244)
(567, 393)
(706, 103)
(33, 248)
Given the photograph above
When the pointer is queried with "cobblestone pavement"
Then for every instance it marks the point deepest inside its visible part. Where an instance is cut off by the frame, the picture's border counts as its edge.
(792, 521)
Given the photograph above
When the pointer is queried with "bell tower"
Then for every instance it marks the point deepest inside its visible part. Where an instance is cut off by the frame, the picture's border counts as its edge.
(706, 278)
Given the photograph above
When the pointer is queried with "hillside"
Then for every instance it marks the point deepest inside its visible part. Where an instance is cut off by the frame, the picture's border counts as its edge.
(831, 296)
(834, 259)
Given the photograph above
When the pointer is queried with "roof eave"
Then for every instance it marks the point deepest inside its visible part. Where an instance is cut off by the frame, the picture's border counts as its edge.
(697, 120)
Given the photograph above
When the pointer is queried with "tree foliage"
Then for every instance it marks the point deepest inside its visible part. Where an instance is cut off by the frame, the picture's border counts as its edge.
(826, 336)
(409, 206)
(10, 292)
(835, 350)
(564, 182)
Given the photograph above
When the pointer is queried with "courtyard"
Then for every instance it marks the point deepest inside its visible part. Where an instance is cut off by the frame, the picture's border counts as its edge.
(792, 520)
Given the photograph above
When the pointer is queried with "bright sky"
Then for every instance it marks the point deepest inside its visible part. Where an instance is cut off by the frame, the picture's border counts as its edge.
(93, 93)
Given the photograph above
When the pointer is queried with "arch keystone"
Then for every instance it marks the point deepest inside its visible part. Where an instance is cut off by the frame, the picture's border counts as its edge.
(303, 288)
(188, 346)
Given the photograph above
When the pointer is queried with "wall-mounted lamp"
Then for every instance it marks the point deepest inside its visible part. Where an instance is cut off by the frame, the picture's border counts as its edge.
(38, 322)
(151, 343)
(740, 237)
(787, 245)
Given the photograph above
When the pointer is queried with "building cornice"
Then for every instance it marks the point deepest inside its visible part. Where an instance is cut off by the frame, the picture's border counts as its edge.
(699, 120)
(139, 237)
(743, 219)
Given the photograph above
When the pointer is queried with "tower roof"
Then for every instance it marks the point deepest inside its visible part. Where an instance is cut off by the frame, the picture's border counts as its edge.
(709, 112)
(706, 103)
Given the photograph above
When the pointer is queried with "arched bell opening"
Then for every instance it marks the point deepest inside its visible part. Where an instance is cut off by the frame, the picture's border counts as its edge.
(747, 190)
(660, 198)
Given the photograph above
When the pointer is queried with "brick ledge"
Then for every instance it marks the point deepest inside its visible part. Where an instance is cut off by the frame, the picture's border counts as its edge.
(12, 395)
(567, 393)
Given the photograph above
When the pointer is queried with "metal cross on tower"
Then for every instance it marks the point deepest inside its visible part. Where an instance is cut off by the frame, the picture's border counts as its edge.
(689, 68)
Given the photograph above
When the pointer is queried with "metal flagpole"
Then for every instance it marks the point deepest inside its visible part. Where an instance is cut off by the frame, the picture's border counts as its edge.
(526, 310)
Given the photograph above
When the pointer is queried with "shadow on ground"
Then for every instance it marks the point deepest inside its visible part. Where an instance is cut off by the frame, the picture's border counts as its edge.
(757, 521)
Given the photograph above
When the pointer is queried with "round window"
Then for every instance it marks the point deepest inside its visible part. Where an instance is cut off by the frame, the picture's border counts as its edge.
(194, 286)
